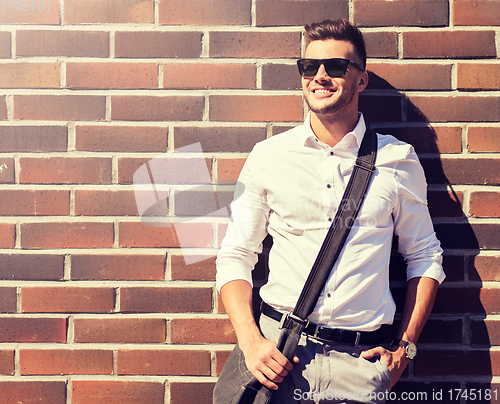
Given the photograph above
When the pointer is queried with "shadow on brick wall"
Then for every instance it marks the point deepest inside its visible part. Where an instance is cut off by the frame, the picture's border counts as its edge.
(445, 354)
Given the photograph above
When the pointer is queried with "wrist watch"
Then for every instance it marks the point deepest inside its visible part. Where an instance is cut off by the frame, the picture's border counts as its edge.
(409, 347)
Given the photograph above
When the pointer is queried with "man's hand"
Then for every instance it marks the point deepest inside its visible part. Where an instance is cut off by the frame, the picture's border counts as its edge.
(266, 362)
(395, 360)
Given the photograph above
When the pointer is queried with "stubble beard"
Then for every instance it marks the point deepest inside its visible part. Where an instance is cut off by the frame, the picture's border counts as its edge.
(332, 110)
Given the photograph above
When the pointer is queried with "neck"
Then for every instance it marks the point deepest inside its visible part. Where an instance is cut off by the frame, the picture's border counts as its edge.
(330, 130)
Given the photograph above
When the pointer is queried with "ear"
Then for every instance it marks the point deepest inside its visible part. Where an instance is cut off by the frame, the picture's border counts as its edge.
(363, 81)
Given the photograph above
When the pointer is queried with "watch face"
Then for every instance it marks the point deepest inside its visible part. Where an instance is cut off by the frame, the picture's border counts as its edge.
(411, 350)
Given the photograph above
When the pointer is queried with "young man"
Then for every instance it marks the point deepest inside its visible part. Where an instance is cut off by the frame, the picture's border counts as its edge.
(293, 183)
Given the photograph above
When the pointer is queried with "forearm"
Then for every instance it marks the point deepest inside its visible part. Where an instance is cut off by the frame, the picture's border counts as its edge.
(237, 298)
(420, 296)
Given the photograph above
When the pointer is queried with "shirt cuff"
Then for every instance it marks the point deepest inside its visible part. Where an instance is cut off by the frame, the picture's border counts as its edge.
(231, 271)
(432, 270)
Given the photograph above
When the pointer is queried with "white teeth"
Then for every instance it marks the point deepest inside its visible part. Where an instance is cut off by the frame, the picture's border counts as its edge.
(322, 91)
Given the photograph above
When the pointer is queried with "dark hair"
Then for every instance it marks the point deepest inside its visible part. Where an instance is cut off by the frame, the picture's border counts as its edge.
(340, 30)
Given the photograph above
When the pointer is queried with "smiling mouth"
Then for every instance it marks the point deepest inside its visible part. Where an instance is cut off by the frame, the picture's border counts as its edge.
(322, 91)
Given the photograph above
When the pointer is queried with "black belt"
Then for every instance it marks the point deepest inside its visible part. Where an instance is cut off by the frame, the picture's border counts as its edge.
(334, 335)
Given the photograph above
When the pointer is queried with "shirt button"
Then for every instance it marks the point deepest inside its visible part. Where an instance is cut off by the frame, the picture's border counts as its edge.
(328, 295)
(330, 219)
(328, 185)
(331, 153)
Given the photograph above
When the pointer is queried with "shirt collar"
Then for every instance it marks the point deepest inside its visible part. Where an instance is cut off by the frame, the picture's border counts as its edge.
(310, 139)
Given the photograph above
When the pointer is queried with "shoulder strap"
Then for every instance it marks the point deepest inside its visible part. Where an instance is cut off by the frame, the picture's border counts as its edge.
(339, 230)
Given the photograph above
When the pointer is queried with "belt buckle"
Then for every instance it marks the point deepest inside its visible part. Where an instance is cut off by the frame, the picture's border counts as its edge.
(290, 314)
(315, 333)
(358, 337)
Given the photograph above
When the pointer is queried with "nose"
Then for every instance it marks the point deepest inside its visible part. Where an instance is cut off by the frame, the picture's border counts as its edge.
(321, 75)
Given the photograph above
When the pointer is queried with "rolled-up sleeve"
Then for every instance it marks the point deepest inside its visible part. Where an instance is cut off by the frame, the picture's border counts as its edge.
(247, 227)
(418, 243)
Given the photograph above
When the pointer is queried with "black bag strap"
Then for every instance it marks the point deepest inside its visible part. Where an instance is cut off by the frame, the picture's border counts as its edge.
(332, 245)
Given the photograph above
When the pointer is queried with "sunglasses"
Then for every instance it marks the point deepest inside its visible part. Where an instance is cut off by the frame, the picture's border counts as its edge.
(335, 67)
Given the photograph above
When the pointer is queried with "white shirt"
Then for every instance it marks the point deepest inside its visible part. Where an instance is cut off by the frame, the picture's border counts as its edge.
(290, 187)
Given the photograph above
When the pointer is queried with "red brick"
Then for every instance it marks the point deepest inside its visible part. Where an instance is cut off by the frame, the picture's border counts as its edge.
(485, 332)
(202, 330)
(65, 361)
(442, 332)
(178, 173)
(254, 108)
(108, 11)
(381, 13)
(445, 204)
(62, 43)
(484, 268)
(467, 300)
(428, 139)
(65, 170)
(152, 108)
(20, 266)
(184, 393)
(30, 75)
(8, 300)
(110, 75)
(284, 12)
(465, 108)
(7, 168)
(34, 203)
(228, 170)
(478, 76)
(127, 139)
(46, 392)
(195, 235)
(462, 171)
(31, 13)
(127, 167)
(209, 75)
(255, 44)
(7, 362)
(5, 45)
(7, 235)
(163, 362)
(412, 76)
(483, 139)
(449, 44)
(3, 108)
(476, 12)
(202, 270)
(219, 139)
(117, 392)
(203, 12)
(67, 299)
(456, 363)
(105, 203)
(485, 204)
(381, 108)
(60, 107)
(119, 330)
(22, 329)
(67, 235)
(165, 300)
(280, 77)
(118, 267)
(220, 360)
(33, 138)
(157, 44)
(381, 44)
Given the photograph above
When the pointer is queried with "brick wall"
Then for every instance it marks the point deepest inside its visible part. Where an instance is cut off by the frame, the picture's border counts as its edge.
(98, 307)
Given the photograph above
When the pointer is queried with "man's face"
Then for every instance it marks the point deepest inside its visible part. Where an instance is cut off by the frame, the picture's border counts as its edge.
(330, 96)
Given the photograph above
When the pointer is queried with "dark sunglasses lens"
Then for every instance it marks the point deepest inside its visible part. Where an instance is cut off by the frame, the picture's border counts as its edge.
(309, 68)
(335, 68)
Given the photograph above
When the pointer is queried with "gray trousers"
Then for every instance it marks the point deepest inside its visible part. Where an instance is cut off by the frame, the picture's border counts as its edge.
(329, 373)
